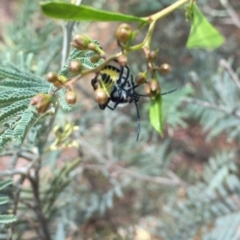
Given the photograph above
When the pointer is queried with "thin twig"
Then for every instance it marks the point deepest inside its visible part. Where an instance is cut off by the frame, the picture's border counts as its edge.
(213, 106)
(234, 76)
(24, 171)
(114, 168)
(231, 12)
(15, 205)
(43, 230)
(111, 165)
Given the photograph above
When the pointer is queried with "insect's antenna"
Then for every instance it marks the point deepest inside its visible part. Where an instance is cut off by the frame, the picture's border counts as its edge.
(138, 116)
(169, 92)
(144, 95)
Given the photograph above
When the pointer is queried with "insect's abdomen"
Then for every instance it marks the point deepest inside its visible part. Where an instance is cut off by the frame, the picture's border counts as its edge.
(109, 76)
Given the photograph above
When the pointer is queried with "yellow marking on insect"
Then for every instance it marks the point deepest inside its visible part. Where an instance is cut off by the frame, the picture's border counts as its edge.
(111, 76)
(111, 72)
(107, 87)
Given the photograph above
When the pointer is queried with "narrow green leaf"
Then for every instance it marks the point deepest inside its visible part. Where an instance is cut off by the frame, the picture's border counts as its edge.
(202, 33)
(155, 114)
(67, 11)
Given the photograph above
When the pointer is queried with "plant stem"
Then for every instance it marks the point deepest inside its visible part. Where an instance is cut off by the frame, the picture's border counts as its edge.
(154, 18)
(145, 43)
(167, 10)
(43, 230)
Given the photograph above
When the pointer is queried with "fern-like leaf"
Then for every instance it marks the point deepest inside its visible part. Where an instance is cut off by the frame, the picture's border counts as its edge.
(28, 119)
(4, 200)
(10, 84)
(13, 109)
(17, 75)
(84, 56)
(18, 94)
(62, 101)
(5, 138)
(5, 183)
(7, 218)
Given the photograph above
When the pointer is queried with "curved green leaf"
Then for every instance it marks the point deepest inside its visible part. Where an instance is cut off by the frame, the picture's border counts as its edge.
(67, 11)
(203, 34)
(155, 114)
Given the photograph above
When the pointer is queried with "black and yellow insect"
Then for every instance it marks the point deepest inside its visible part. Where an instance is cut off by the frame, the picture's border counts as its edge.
(120, 88)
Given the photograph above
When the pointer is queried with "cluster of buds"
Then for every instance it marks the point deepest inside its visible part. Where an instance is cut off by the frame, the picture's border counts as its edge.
(152, 88)
(124, 34)
(58, 81)
(82, 42)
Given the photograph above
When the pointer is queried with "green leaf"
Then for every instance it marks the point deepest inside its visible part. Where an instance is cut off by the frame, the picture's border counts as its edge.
(67, 11)
(202, 33)
(155, 114)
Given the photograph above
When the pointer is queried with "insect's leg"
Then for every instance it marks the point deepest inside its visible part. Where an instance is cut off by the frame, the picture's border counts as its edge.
(169, 91)
(138, 116)
(128, 72)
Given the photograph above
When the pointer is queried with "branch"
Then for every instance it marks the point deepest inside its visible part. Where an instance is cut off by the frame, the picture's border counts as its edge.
(213, 106)
(24, 171)
(233, 15)
(43, 229)
(234, 76)
(173, 181)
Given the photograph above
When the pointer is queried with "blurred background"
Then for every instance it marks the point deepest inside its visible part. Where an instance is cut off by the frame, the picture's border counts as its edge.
(184, 185)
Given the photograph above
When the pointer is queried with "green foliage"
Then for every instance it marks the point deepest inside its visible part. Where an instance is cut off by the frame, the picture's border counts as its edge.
(28, 119)
(155, 113)
(67, 11)
(56, 186)
(212, 199)
(84, 56)
(202, 33)
(118, 185)
(221, 93)
(19, 86)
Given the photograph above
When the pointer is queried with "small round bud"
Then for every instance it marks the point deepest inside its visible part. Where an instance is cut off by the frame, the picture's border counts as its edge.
(62, 79)
(71, 97)
(92, 46)
(123, 33)
(152, 56)
(60, 82)
(152, 88)
(101, 96)
(75, 66)
(140, 79)
(80, 42)
(95, 59)
(122, 60)
(42, 102)
(52, 77)
(165, 68)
